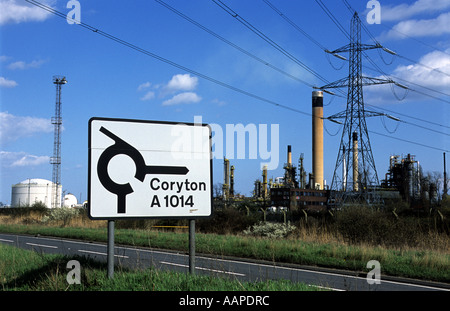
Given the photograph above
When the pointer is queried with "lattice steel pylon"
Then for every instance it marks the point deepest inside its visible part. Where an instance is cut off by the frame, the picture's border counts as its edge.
(355, 175)
(55, 160)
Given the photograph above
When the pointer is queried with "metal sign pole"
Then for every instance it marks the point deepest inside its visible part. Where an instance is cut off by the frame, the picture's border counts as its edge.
(192, 246)
(110, 250)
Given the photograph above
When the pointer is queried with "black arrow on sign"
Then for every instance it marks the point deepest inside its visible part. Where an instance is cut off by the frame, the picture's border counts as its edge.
(122, 147)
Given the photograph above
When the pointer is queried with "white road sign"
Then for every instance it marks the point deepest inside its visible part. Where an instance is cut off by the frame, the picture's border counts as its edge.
(146, 169)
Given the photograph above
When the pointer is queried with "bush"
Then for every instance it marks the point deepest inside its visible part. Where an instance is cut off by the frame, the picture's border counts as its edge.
(270, 230)
(64, 214)
(359, 224)
(226, 221)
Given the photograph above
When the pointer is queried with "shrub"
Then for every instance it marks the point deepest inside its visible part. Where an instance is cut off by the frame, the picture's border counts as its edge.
(270, 230)
(64, 214)
(359, 224)
(226, 221)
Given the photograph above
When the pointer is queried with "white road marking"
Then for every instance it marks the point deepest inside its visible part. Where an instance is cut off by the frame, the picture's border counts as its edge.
(200, 268)
(98, 253)
(6, 240)
(42, 245)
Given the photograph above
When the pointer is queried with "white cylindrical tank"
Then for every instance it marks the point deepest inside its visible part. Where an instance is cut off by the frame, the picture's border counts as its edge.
(70, 200)
(33, 190)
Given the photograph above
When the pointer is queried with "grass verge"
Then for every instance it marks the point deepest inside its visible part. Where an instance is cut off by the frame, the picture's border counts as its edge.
(420, 264)
(22, 270)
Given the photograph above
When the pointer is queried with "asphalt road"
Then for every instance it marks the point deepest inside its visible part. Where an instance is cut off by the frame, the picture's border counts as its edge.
(243, 270)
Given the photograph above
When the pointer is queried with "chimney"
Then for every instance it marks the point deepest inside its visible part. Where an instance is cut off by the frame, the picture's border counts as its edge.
(289, 155)
(317, 138)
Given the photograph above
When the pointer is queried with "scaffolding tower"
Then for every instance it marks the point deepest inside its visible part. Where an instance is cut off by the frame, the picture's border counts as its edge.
(55, 160)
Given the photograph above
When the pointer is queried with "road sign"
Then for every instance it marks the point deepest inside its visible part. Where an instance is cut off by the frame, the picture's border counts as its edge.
(149, 169)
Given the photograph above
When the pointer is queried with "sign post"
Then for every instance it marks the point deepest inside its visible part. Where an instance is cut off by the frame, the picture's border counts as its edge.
(149, 169)
(110, 249)
(192, 246)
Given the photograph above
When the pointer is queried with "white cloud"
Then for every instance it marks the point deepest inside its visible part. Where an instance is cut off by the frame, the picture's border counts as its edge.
(21, 65)
(13, 11)
(218, 102)
(182, 82)
(403, 11)
(149, 95)
(14, 127)
(421, 28)
(4, 58)
(182, 98)
(179, 88)
(144, 86)
(7, 83)
(432, 71)
(20, 159)
(426, 76)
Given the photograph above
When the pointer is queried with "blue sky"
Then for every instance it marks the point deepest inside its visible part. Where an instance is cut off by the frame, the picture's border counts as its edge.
(107, 79)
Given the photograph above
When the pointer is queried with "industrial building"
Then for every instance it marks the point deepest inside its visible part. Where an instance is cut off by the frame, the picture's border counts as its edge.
(405, 177)
(34, 190)
(37, 190)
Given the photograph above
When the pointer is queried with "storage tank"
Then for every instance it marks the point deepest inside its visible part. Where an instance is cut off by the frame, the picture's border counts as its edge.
(70, 200)
(31, 191)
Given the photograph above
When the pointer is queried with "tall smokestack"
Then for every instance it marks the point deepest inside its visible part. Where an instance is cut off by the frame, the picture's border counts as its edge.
(355, 161)
(226, 178)
(317, 138)
(264, 189)
(289, 155)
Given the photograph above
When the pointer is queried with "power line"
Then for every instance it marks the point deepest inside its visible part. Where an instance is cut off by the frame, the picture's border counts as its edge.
(415, 124)
(415, 39)
(298, 28)
(378, 69)
(409, 141)
(167, 61)
(405, 115)
(396, 54)
(206, 77)
(336, 22)
(260, 34)
(333, 18)
(266, 63)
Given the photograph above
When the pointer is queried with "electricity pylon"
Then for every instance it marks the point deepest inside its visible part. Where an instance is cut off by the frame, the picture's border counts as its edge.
(355, 175)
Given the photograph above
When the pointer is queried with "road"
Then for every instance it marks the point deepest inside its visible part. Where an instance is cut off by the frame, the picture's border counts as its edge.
(243, 270)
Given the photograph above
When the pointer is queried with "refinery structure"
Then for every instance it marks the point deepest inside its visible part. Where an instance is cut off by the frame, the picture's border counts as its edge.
(355, 178)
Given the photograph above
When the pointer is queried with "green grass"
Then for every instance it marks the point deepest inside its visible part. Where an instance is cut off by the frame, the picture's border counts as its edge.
(411, 263)
(407, 263)
(22, 270)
